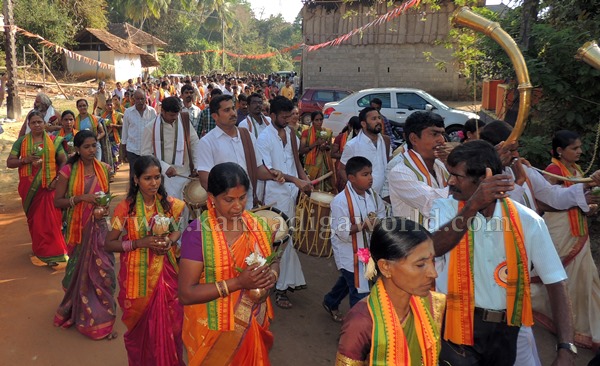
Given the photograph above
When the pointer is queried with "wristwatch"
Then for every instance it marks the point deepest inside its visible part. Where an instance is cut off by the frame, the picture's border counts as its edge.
(568, 346)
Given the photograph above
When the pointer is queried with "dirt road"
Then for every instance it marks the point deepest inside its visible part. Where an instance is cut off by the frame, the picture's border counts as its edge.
(304, 335)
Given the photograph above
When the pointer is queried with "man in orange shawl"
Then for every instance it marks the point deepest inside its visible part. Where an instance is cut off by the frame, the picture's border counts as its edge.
(487, 289)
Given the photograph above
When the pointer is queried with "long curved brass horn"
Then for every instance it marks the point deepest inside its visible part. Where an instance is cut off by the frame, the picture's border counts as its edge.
(466, 18)
(590, 54)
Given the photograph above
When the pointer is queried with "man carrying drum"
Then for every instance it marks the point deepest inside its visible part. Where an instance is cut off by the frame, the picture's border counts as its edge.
(278, 146)
(174, 142)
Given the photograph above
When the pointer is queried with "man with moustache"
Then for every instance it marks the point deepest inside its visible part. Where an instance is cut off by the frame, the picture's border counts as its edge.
(225, 143)
(242, 107)
(420, 177)
(487, 244)
(187, 95)
(278, 146)
(255, 122)
(369, 143)
(135, 120)
(174, 144)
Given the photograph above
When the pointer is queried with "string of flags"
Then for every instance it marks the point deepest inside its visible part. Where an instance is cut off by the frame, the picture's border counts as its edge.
(394, 13)
(59, 49)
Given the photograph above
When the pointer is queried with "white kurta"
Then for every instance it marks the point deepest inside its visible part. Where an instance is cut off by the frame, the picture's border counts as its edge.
(362, 145)
(283, 197)
(411, 197)
(254, 126)
(341, 240)
(217, 147)
(173, 185)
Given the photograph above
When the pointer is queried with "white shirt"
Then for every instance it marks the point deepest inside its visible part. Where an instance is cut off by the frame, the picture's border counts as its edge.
(194, 113)
(119, 93)
(362, 145)
(555, 196)
(411, 197)
(217, 147)
(169, 144)
(398, 159)
(341, 240)
(133, 127)
(489, 251)
(257, 128)
(277, 156)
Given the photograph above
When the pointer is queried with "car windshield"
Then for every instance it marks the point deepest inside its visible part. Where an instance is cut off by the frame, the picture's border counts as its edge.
(441, 105)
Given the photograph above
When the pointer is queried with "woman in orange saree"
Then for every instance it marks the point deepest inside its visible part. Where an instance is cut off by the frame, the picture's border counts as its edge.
(39, 156)
(148, 275)
(226, 272)
(315, 144)
(399, 323)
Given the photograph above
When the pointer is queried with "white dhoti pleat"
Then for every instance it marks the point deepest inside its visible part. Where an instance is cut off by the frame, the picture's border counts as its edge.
(290, 274)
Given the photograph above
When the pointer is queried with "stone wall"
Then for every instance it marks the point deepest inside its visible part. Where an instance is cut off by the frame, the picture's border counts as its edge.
(388, 55)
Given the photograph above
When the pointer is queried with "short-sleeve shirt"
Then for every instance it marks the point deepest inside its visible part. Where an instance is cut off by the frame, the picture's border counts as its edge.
(489, 255)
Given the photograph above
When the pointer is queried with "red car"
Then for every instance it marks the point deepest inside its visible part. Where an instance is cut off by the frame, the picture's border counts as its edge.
(314, 99)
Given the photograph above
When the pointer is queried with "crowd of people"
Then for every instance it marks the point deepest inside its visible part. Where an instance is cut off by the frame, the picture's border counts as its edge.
(448, 252)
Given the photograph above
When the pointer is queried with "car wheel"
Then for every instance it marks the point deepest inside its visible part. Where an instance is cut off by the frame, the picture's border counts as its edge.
(305, 119)
(453, 133)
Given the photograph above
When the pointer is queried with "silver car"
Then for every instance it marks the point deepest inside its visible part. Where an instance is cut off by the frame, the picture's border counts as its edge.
(397, 104)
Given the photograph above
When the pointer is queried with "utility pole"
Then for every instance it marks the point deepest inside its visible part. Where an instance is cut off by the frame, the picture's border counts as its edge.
(223, 43)
(13, 103)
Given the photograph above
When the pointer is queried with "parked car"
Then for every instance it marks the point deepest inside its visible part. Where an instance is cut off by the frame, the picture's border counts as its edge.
(314, 99)
(398, 103)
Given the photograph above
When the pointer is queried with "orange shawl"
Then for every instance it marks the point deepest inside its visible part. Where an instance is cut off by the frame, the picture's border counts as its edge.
(577, 221)
(461, 290)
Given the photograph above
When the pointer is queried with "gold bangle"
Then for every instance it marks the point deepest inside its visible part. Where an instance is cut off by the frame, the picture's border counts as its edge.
(219, 289)
(225, 288)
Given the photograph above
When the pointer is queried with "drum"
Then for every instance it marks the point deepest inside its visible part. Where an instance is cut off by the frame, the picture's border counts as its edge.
(313, 228)
(195, 197)
(276, 220)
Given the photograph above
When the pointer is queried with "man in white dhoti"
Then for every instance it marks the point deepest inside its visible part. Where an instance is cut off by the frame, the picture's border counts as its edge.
(278, 146)
(226, 143)
(173, 140)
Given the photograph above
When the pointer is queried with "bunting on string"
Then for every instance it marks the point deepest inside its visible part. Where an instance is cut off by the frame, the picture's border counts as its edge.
(394, 13)
(250, 57)
(59, 49)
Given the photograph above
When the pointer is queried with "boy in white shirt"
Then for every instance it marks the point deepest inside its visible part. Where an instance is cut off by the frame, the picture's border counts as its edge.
(354, 212)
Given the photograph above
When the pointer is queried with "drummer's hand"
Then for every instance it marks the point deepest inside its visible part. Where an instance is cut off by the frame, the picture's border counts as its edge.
(303, 185)
(171, 172)
(194, 174)
(256, 276)
(277, 175)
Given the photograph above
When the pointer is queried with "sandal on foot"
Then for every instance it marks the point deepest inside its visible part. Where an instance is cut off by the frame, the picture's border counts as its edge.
(335, 314)
(282, 300)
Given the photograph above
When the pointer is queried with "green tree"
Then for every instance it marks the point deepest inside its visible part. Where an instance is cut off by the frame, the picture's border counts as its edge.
(170, 63)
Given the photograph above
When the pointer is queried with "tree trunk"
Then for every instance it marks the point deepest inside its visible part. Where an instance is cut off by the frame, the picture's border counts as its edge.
(528, 18)
(13, 103)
